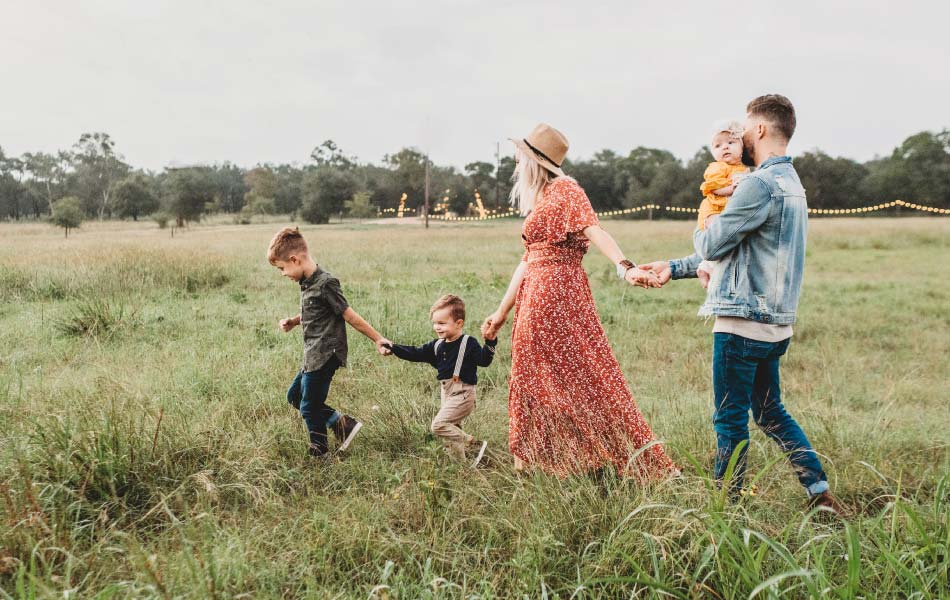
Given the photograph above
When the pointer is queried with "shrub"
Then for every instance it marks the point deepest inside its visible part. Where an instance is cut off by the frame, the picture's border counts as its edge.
(94, 317)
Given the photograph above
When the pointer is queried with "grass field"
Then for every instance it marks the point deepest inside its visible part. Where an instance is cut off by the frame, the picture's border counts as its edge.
(147, 451)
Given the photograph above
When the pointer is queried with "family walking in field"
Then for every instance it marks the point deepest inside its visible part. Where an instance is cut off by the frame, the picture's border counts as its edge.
(570, 409)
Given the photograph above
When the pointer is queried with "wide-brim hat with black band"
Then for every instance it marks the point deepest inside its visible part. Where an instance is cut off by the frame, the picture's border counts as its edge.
(546, 145)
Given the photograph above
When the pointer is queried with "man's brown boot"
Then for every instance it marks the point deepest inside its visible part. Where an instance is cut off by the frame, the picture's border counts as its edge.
(826, 500)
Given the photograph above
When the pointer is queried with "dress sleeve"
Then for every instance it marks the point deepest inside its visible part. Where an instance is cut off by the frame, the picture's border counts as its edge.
(716, 177)
(569, 210)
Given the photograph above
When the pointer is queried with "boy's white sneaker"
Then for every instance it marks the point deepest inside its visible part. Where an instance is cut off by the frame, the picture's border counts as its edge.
(345, 430)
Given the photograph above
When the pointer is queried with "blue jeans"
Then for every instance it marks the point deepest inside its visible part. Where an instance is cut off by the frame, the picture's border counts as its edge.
(746, 375)
(308, 393)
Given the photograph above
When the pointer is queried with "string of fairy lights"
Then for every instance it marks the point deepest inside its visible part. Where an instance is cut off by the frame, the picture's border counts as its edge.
(487, 215)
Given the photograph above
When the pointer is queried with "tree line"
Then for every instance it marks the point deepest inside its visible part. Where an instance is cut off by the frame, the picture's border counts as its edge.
(91, 180)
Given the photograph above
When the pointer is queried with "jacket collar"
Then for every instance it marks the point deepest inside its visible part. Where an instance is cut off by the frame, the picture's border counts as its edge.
(774, 161)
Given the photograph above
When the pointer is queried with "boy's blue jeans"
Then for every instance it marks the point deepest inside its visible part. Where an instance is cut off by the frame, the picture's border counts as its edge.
(308, 393)
(746, 376)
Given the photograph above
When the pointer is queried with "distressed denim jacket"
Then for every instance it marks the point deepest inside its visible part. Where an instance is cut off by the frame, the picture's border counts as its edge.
(760, 240)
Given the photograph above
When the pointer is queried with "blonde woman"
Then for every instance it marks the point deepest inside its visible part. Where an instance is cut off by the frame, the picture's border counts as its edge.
(570, 410)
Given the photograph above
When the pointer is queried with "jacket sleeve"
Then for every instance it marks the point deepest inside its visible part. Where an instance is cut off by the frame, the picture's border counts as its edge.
(685, 267)
(746, 212)
(424, 353)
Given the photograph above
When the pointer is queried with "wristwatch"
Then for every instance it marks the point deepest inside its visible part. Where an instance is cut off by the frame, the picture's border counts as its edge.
(624, 266)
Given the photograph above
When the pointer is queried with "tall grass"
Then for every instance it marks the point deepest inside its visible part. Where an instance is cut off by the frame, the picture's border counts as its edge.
(153, 455)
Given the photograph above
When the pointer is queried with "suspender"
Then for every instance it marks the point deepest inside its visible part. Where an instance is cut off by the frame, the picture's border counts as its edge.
(461, 356)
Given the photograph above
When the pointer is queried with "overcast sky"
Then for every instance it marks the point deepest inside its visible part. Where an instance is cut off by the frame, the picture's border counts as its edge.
(258, 81)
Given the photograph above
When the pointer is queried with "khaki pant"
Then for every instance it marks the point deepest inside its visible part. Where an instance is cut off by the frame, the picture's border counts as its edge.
(458, 402)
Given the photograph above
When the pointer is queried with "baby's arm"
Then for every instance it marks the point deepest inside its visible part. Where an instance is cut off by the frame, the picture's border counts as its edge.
(289, 323)
(726, 191)
(360, 324)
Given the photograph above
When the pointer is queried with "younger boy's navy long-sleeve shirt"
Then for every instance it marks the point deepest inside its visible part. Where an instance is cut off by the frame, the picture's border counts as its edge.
(475, 356)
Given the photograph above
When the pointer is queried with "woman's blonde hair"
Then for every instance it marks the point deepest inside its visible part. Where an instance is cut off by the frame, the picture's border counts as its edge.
(528, 182)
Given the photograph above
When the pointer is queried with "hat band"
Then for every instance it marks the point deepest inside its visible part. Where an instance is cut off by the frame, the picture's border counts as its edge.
(541, 154)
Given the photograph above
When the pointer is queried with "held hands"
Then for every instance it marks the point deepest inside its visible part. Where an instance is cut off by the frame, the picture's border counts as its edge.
(660, 268)
(642, 277)
(492, 324)
(384, 346)
(289, 323)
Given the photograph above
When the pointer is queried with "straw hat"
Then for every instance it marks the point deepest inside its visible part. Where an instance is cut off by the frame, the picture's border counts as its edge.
(546, 145)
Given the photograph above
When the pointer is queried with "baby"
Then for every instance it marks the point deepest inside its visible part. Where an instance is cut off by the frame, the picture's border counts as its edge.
(720, 180)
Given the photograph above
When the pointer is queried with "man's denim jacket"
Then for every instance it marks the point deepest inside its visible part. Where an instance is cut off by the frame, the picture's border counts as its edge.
(760, 240)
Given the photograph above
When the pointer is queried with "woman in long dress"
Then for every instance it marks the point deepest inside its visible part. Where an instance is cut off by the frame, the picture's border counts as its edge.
(570, 410)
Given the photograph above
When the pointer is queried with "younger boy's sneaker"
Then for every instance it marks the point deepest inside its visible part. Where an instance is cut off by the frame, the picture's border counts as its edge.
(482, 445)
(345, 429)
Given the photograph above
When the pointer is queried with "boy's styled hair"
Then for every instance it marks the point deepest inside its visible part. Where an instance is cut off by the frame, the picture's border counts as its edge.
(777, 110)
(456, 304)
(286, 243)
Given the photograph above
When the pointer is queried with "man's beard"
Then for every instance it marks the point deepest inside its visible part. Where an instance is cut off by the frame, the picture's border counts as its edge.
(747, 158)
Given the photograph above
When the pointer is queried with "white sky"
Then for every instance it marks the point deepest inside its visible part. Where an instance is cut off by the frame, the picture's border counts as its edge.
(259, 81)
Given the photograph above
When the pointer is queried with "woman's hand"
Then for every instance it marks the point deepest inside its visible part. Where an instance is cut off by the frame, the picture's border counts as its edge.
(492, 324)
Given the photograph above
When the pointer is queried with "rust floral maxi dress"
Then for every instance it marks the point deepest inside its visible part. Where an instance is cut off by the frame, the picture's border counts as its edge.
(569, 406)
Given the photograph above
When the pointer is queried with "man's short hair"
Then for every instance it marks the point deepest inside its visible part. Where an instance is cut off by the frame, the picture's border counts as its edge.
(454, 303)
(288, 242)
(777, 110)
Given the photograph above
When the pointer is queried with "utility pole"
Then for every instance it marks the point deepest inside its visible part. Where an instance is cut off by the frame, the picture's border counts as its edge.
(497, 176)
(426, 202)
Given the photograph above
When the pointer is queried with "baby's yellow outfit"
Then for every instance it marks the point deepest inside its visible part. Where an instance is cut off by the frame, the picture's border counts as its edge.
(717, 176)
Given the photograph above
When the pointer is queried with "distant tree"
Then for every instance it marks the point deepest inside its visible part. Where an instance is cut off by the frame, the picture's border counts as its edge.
(230, 187)
(831, 182)
(328, 154)
(886, 180)
(506, 168)
(666, 184)
(47, 173)
(325, 190)
(12, 191)
(925, 159)
(359, 206)
(601, 179)
(482, 176)
(67, 213)
(187, 192)
(409, 173)
(133, 197)
(262, 188)
(689, 195)
(289, 189)
(380, 182)
(96, 170)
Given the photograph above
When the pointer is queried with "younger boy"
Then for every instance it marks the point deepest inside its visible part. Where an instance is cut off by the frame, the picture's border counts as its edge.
(456, 357)
(323, 314)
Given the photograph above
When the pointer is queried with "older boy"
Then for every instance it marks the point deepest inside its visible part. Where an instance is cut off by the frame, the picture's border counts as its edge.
(324, 312)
